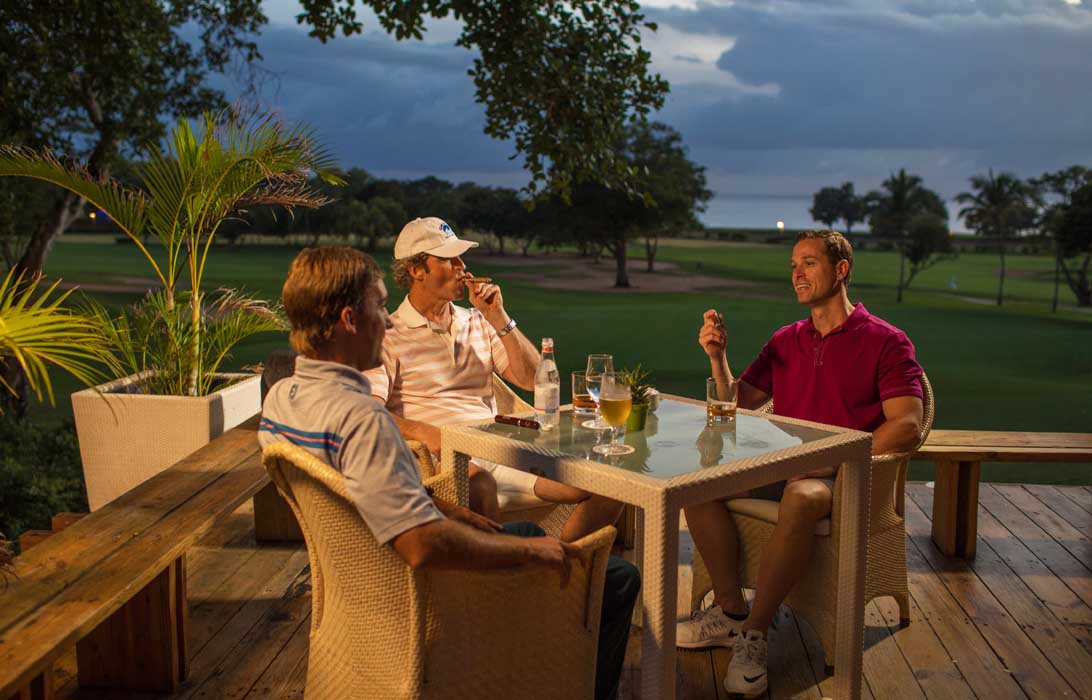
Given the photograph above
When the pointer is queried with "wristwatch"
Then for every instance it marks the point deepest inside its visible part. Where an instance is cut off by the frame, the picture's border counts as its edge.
(508, 328)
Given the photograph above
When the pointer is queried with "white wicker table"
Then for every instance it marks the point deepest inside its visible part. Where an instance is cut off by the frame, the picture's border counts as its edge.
(678, 462)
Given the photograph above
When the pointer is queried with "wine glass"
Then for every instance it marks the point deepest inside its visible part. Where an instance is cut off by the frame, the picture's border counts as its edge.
(597, 365)
(615, 402)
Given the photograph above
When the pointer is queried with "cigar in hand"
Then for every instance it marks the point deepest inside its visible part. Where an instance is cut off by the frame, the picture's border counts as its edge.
(521, 422)
(471, 279)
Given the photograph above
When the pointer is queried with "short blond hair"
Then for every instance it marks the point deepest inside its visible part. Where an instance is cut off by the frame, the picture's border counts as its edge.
(837, 246)
(320, 283)
(400, 269)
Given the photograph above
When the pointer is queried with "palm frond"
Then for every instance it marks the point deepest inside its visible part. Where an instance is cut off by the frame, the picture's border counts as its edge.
(38, 332)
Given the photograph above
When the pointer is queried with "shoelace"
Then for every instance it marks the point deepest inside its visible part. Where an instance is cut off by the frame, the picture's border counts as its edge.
(754, 652)
(708, 621)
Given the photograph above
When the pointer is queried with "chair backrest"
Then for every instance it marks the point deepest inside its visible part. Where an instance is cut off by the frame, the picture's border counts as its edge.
(367, 607)
(508, 402)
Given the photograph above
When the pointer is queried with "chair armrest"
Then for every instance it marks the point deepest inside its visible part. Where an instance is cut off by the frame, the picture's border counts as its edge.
(443, 486)
(425, 462)
(886, 495)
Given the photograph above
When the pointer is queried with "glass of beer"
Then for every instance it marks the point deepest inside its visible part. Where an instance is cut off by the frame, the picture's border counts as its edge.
(720, 401)
(598, 364)
(583, 403)
(615, 403)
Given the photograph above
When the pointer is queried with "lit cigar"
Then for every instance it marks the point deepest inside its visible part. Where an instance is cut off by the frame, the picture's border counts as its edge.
(521, 422)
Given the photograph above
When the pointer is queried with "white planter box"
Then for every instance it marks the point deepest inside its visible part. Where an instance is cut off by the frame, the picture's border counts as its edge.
(128, 438)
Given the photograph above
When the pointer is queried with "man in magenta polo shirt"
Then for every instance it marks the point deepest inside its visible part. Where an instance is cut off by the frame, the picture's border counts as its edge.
(841, 366)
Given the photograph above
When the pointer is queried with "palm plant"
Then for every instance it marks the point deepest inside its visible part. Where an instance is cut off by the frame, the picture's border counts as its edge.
(892, 211)
(236, 160)
(999, 206)
(37, 331)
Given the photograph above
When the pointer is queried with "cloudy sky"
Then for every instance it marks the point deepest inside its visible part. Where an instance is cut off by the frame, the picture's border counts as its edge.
(775, 99)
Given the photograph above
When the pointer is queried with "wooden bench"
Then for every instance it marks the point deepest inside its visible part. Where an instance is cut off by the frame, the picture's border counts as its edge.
(958, 454)
(114, 583)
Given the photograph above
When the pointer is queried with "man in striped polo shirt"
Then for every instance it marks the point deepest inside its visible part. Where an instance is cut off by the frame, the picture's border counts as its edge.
(438, 365)
(336, 303)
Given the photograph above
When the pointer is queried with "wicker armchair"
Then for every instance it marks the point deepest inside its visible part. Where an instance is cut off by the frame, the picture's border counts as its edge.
(381, 630)
(814, 597)
(551, 517)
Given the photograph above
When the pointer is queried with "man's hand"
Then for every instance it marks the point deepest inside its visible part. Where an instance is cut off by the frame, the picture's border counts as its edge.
(558, 555)
(487, 298)
(712, 336)
(474, 520)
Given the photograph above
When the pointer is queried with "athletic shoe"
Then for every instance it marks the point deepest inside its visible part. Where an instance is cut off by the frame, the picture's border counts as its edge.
(707, 628)
(746, 675)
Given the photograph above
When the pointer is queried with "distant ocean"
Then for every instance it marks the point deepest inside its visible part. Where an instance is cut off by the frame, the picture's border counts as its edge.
(765, 210)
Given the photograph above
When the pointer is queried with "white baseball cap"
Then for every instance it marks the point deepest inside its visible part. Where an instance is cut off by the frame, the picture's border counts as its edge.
(430, 235)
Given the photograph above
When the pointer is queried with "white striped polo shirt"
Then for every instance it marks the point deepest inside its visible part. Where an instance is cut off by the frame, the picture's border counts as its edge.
(435, 375)
(328, 409)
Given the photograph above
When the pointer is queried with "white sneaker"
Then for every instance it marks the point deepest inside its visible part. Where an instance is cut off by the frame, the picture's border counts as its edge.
(746, 675)
(707, 628)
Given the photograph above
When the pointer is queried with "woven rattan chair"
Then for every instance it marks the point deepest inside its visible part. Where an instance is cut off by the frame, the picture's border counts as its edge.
(815, 596)
(380, 630)
(550, 516)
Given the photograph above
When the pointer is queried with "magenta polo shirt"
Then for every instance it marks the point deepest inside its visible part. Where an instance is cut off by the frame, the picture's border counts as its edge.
(842, 379)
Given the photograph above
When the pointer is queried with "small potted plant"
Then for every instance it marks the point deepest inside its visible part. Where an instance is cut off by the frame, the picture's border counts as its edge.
(639, 388)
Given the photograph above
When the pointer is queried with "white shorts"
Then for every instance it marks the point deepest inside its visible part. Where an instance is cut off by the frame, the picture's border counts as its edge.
(515, 487)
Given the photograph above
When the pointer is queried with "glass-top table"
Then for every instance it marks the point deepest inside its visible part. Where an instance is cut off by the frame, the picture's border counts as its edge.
(676, 439)
(680, 461)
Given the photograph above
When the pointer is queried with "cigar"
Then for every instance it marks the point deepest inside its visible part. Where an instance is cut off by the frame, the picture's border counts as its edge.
(470, 279)
(521, 422)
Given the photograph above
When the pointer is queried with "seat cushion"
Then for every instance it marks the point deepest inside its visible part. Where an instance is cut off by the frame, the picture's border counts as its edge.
(762, 509)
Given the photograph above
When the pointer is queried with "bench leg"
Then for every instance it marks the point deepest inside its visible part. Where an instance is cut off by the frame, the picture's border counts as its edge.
(40, 688)
(142, 646)
(274, 520)
(955, 508)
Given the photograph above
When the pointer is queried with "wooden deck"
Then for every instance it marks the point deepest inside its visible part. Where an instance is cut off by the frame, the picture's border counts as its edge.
(1014, 623)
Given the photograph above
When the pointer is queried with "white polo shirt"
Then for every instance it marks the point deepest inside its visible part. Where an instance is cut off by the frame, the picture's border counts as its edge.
(436, 375)
(328, 409)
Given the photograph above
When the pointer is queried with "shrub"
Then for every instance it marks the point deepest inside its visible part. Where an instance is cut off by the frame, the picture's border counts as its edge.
(40, 474)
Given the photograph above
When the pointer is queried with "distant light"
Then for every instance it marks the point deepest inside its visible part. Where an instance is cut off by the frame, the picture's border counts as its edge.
(780, 225)
(1073, 2)
(92, 216)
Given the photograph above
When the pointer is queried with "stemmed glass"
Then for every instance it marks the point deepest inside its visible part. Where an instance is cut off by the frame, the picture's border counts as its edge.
(615, 402)
(597, 365)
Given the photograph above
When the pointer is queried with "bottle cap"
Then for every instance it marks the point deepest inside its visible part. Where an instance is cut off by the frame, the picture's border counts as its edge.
(547, 345)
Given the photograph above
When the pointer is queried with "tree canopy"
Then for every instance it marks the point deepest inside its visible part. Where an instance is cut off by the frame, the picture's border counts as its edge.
(913, 215)
(561, 79)
(998, 206)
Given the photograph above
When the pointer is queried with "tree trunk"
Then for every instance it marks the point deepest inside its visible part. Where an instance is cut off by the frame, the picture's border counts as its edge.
(1057, 264)
(1001, 278)
(621, 273)
(902, 270)
(652, 244)
(500, 244)
(60, 218)
(1078, 282)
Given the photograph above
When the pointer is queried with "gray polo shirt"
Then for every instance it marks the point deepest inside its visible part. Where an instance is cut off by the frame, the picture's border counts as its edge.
(327, 408)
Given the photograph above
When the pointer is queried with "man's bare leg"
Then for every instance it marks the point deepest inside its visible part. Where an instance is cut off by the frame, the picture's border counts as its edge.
(483, 492)
(789, 550)
(593, 512)
(716, 538)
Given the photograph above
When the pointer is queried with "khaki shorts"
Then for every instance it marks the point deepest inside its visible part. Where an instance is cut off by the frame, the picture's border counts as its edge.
(515, 487)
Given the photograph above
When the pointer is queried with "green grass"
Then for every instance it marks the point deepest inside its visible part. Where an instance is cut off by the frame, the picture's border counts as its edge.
(1018, 367)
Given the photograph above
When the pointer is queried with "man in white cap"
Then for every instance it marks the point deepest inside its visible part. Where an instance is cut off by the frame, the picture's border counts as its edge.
(438, 365)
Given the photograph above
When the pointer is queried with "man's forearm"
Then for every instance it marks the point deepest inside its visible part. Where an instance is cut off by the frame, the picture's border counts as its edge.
(446, 544)
(523, 359)
(416, 430)
(899, 435)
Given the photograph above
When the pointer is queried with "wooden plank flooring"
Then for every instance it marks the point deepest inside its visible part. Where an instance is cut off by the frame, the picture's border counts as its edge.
(1014, 623)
